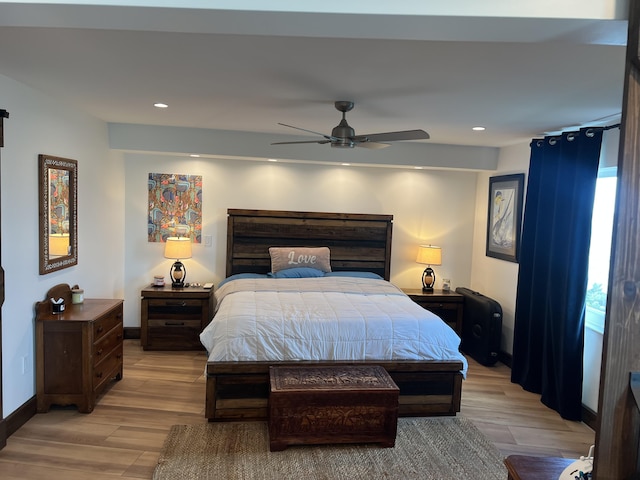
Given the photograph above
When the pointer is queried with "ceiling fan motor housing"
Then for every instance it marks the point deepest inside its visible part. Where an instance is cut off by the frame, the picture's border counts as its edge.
(343, 143)
(343, 135)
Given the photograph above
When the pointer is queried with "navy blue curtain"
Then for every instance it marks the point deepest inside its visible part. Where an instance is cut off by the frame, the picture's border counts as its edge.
(552, 280)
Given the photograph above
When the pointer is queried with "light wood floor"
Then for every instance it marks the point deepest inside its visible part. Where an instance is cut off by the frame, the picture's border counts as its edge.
(123, 436)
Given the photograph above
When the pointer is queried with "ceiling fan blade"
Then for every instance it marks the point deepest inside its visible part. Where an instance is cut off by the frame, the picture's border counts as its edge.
(309, 131)
(393, 136)
(373, 145)
(302, 141)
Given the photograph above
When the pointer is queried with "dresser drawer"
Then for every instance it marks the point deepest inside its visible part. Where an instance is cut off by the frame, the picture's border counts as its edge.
(108, 369)
(104, 324)
(107, 343)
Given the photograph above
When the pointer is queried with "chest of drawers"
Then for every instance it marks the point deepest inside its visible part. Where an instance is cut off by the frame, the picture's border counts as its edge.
(78, 352)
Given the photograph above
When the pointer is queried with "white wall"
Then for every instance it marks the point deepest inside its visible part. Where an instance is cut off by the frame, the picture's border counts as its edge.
(429, 206)
(39, 124)
(490, 276)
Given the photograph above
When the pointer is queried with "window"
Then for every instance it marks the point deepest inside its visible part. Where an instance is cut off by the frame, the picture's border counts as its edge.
(600, 250)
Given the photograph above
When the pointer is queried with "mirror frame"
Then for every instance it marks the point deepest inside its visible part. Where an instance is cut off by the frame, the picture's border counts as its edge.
(45, 164)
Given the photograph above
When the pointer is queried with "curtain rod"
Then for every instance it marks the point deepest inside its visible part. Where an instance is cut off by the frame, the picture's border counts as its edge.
(608, 127)
(570, 134)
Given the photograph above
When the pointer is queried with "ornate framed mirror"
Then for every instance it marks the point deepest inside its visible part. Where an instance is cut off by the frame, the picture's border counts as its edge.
(58, 209)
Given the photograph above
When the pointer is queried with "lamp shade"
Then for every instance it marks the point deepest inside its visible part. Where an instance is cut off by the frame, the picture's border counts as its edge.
(59, 244)
(429, 255)
(177, 247)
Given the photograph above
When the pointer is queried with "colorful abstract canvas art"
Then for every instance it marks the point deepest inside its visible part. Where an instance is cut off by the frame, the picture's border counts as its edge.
(175, 207)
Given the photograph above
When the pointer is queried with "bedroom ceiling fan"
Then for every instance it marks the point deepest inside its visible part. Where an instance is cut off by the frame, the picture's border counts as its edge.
(344, 136)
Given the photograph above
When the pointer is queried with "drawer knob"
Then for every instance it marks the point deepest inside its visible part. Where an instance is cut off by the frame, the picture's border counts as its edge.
(99, 374)
(100, 329)
(99, 352)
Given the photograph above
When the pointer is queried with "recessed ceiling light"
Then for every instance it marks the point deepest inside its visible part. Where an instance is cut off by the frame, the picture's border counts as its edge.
(345, 164)
(272, 160)
(194, 155)
(478, 129)
(161, 105)
(418, 168)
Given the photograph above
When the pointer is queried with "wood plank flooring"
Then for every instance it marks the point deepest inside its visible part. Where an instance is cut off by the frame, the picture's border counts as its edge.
(123, 436)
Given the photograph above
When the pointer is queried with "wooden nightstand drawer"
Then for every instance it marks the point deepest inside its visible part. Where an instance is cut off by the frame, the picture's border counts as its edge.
(174, 312)
(178, 304)
(447, 312)
(174, 337)
(173, 323)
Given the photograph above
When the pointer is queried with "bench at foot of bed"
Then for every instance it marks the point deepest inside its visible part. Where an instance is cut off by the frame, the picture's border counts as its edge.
(318, 405)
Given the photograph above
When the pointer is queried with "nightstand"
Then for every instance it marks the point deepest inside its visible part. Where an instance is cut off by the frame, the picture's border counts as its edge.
(172, 318)
(447, 305)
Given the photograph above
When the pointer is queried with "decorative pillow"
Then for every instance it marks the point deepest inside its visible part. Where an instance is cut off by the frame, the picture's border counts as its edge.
(283, 258)
(299, 272)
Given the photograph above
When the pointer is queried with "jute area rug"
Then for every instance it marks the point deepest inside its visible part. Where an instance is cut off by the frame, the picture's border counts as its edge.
(439, 448)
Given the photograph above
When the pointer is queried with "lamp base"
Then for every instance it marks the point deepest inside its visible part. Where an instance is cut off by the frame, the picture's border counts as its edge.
(177, 273)
(428, 279)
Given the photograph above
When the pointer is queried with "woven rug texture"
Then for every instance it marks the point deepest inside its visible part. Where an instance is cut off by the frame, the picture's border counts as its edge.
(438, 448)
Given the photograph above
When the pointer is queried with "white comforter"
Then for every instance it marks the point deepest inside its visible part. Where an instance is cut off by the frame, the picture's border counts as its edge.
(325, 318)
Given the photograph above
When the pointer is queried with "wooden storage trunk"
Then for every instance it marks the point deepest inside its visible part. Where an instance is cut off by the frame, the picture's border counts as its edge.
(332, 404)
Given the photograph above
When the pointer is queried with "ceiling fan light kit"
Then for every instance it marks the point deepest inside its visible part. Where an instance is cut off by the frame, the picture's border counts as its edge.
(344, 136)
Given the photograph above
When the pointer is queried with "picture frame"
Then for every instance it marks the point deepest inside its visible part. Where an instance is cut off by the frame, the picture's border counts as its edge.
(504, 220)
(58, 213)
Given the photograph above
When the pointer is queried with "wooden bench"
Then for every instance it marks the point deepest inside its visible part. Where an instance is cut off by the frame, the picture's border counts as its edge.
(332, 404)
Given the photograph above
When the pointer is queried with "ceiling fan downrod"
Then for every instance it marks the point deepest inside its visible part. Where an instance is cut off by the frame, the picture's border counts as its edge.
(343, 131)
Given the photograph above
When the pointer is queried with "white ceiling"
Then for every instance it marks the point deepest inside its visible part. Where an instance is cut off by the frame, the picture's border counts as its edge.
(244, 70)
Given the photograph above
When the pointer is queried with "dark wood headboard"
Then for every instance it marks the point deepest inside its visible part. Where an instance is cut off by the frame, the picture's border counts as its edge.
(358, 242)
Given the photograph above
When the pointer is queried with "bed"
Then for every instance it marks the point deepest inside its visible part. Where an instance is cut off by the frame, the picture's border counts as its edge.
(237, 370)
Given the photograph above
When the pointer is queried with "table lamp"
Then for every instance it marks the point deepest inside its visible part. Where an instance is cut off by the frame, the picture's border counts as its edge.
(177, 248)
(429, 255)
(58, 244)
